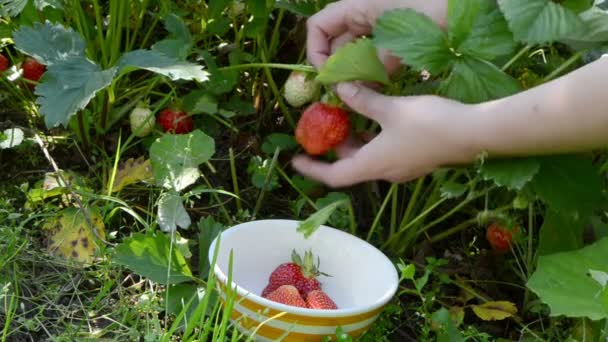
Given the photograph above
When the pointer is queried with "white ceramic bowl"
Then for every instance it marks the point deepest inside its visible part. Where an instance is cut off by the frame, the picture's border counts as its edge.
(362, 280)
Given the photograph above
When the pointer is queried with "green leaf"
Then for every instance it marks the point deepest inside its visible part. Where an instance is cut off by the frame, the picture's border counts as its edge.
(474, 81)
(148, 256)
(559, 276)
(415, 38)
(50, 43)
(184, 295)
(539, 21)
(513, 174)
(159, 63)
(12, 8)
(209, 229)
(569, 184)
(200, 101)
(355, 61)
(560, 233)
(595, 21)
(68, 86)
(260, 13)
(261, 169)
(175, 158)
(220, 82)
(171, 212)
(305, 8)
(478, 28)
(314, 221)
(284, 141)
(179, 42)
(450, 189)
(577, 6)
(340, 218)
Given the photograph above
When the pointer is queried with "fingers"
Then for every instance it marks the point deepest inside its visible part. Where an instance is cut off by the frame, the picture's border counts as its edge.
(367, 102)
(343, 172)
(334, 20)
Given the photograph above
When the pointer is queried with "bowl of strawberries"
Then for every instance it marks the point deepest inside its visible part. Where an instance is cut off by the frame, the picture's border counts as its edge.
(283, 286)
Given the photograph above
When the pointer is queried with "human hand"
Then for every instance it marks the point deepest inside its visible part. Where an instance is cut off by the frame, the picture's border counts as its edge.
(343, 21)
(419, 134)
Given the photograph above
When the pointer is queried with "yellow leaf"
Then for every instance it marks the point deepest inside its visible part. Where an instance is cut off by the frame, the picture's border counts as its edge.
(457, 315)
(132, 171)
(71, 237)
(495, 311)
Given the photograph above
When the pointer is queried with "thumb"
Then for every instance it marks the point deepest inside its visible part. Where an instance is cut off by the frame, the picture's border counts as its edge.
(365, 101)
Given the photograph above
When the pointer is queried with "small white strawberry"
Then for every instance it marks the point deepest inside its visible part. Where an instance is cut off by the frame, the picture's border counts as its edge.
(142, 122)
(299, 90)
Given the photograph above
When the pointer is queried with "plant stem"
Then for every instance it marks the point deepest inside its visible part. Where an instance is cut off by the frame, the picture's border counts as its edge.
(381, 210)
(235, 181)
(516, 57)
(263, 190)
(564, 66)
(294, 67)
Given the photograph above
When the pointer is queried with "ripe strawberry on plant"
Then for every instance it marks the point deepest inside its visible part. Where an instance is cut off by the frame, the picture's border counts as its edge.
(3, 63)
(176, 121)
(322, 127)
(288, 295)
(142, 123)
(299, 89)
(500, 237)
(32, 69)
(300, 273)
(319, 300)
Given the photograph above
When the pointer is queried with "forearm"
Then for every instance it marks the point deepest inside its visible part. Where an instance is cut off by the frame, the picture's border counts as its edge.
(569, 114)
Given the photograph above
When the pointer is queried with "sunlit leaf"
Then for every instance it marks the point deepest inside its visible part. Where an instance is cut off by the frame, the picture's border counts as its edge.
(175, 158)
(171, 212)
(68, 86)
(160, 63)
(150, 256)
(132, 171)
(563, 281)
(494, 311)
(356, 61)
(50, 43)
(71, 236)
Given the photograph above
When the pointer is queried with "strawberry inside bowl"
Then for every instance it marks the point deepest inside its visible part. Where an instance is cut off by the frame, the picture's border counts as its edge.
(361, 280)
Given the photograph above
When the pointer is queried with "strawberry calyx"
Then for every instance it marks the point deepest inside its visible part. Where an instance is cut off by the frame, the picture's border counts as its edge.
(307, 265)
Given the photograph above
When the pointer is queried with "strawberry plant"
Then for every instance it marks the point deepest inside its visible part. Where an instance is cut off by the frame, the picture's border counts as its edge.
(133, 133)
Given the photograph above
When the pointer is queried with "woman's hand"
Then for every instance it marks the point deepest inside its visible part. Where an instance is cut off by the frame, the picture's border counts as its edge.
(419, 134)
(343, 21)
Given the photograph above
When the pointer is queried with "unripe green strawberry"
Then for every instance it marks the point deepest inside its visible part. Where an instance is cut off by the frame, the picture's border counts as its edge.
(142, 122)
(299, 90)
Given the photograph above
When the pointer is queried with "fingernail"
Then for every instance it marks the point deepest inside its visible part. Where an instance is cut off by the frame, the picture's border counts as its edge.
(348, 89)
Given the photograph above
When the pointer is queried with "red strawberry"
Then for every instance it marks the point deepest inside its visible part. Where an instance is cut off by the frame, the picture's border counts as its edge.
(268, 289)
(32, 70)
(500, 237)
(3, 63)
(175, 121)
(288, 295)
(299, 273)
(318, 299)
(321, 128)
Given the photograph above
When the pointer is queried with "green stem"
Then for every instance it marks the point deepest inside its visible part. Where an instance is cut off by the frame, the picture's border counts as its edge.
(82, 130)
(263, 190)
(99, 23)
(564, 66)
(235, 181)
(516, 57)
(402, 230)
(381, 210)
(298, 190)
(277, 94)
(450, 213)
(294, 67)
(411, 202)
(274, 40)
